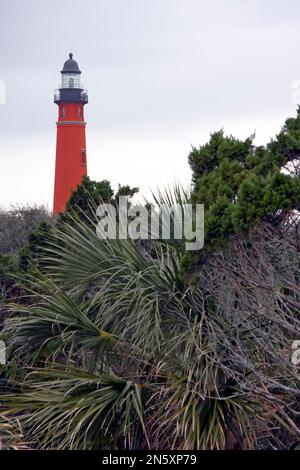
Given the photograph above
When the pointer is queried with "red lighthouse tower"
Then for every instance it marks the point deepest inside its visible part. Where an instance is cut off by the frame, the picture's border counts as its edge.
(71, 162)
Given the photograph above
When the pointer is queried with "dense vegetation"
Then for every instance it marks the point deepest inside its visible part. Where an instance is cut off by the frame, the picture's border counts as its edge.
(136, 345)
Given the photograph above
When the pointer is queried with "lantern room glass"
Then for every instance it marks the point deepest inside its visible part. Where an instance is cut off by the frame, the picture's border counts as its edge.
(70, 80)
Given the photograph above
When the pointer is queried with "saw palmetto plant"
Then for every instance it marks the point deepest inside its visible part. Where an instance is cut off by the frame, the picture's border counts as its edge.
(119, 351)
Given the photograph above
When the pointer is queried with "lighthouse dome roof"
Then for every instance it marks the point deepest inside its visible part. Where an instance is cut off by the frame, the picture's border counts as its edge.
(70, 66)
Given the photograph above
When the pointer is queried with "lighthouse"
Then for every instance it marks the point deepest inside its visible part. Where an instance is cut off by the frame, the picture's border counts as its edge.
(71, 160)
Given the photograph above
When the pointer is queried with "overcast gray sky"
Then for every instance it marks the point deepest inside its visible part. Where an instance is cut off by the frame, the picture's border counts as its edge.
(161, 75)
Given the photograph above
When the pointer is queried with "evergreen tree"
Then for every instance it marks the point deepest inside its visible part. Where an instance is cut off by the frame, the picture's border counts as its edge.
(88, 195)
(241, 184)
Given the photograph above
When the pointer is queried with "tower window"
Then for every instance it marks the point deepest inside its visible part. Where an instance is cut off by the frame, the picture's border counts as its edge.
(63, 112)
(82, 157)
(70, 80)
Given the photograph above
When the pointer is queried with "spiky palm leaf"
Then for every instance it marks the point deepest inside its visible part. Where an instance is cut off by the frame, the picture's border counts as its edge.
(70, 408)
(11, 435)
